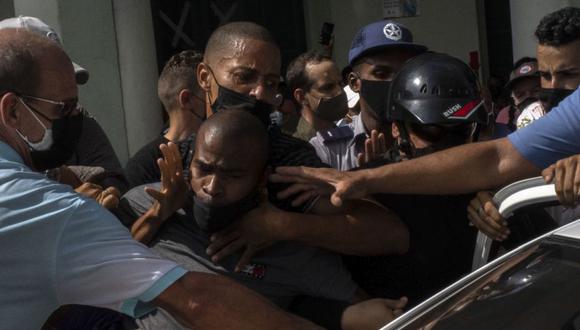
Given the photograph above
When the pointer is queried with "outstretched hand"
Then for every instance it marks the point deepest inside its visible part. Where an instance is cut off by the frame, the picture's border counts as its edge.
(341, 186)
(375, 146)
(172, 195)
(257, 230)
(565, 175)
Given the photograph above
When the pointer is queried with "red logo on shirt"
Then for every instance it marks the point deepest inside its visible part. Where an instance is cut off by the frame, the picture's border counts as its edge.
(254, 270)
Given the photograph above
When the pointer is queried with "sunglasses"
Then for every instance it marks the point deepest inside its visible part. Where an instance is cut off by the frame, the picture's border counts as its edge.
(65, 110)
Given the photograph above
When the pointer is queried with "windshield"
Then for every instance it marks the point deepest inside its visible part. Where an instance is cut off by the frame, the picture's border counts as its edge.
(538, 288)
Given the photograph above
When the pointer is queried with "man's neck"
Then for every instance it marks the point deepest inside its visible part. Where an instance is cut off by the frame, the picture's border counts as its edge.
(370, 122)
(316, 123)
(182, 123)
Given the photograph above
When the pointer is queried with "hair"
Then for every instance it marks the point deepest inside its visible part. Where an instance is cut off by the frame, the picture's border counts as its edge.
(232, 125)
(296, 76)
(560, 27)
(523, 60)
(21, 54)
(224, 38)
(178, 73)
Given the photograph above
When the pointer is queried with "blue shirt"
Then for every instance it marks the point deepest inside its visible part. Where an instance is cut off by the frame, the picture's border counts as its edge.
(552, 137)
(341, 150)
(58, 247)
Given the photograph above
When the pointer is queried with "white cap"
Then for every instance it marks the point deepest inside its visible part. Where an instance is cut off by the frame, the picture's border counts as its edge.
(351, 96)
(36, 25)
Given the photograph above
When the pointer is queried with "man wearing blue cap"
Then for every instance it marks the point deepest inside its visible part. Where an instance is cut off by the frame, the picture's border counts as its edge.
(377, 52)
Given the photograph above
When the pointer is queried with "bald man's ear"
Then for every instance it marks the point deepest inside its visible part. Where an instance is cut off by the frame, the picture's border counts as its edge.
(8, 113)
(204, 77)
(354, 82)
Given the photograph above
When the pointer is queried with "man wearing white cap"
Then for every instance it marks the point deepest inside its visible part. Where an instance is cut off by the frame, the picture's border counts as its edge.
(94, 167)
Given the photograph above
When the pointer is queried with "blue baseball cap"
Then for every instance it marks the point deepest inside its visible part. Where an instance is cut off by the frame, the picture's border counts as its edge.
(381, 34)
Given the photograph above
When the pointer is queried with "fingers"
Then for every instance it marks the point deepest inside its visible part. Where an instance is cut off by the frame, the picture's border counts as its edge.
(382, 145)
(157, 195)
(577, 184)
(397, 304)
(336, 199)
(360, 158)
(568, 168)
(164, 171)
(176, 157)
(113, 191)
(303, 198)
(110, 202)
(370, 147)
(484, 215)
(487, 225)
(219, 246)
(228, 250)
(295, 189)
(548, 173)
(246, 258)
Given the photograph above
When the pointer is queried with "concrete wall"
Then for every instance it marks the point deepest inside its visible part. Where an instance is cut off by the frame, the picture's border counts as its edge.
(448, 26)
(114, 41)
(525, 16)
(138, 69)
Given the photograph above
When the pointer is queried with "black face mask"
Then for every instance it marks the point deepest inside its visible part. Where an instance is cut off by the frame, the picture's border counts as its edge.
(66, 133)
(376, 93)
(333, 108)
(447, 139)
(228, 98)
(212, 219)
(524, 104)
(551, 97)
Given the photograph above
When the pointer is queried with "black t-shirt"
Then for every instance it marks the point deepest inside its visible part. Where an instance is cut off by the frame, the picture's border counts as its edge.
(286, 150)
(142, 167)
(440, 252)
(95, 149)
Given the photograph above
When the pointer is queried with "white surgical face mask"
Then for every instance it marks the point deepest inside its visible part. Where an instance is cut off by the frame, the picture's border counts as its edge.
(46, 142)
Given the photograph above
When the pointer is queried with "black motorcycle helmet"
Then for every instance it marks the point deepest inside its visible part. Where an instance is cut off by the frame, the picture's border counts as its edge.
(435, 93)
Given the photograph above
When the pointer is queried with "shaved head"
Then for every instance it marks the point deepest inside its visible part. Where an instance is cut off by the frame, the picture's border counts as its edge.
(233, 128)
(225, 41)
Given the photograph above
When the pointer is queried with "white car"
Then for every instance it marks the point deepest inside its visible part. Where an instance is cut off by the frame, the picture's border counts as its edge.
(536, 286)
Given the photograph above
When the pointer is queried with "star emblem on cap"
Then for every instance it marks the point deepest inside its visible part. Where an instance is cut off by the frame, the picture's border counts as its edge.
(393, 31)
(525, 69)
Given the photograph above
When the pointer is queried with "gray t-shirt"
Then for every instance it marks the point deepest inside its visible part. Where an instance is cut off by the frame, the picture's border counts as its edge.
(280, 273)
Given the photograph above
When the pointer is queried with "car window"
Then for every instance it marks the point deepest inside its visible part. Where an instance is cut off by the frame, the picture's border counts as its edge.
(538, 288)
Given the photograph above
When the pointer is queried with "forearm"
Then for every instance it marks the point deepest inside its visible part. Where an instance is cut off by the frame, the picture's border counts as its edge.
(206, 301)
(363, 228)
(147, 226)
(463, 169)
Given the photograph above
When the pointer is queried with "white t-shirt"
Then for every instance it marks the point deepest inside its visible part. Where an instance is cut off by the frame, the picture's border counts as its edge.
(57, 248)
(530, 113)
